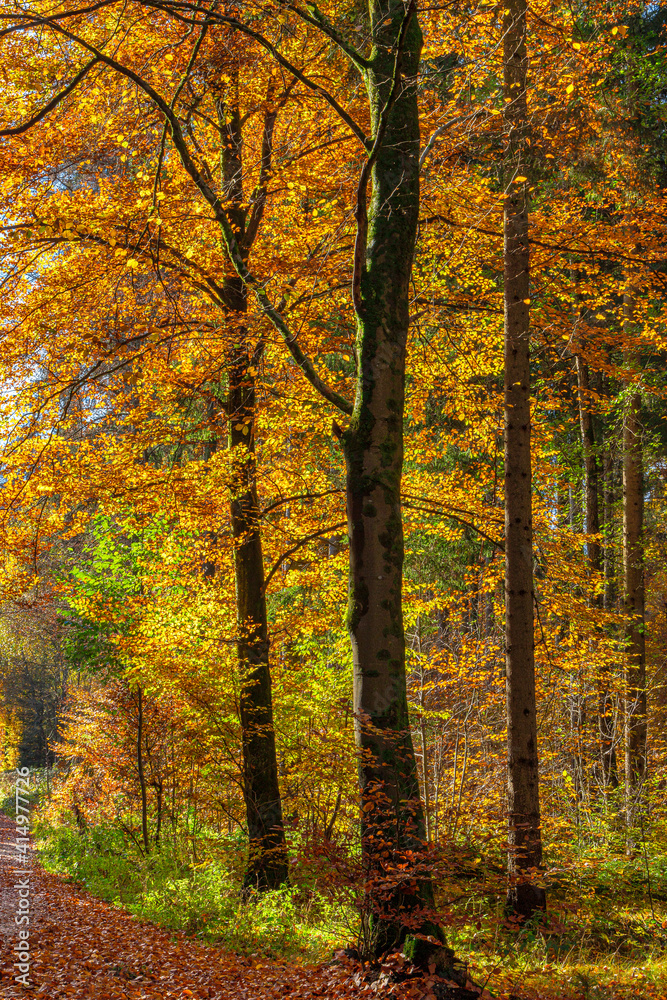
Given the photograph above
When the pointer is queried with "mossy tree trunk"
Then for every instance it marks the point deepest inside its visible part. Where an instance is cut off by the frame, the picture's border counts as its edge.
(392, 819)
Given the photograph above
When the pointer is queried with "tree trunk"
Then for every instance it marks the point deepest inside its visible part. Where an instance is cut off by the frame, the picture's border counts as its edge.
(633, 597)
(525, 896)
(392, 818)
(592, 474)
(607, 701)
(267, 862)
(267, 866)
(609, 499)
(591, 469)
(159, 788)
(140, 768)
(392, 823)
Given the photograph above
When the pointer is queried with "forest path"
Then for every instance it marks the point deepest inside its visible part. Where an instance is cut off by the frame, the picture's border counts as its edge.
(83, 948)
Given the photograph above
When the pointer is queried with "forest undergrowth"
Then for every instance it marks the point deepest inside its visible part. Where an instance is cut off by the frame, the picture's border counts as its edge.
(604, 935)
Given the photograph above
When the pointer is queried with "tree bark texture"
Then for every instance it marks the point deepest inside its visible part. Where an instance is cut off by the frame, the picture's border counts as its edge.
(140, 769)
(593, 474)
(525, 896)
(267, 866)
(392, 819)
(633, 596)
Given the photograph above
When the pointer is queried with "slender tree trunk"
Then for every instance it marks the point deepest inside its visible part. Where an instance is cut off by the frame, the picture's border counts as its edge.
(525, 896)
(593, 474)
(607, 701)
(267, 864)
(424, 747)
(633, 596)
(140, 768)
(159, 788)
(591, 469)
(610, 595)
(267, 858)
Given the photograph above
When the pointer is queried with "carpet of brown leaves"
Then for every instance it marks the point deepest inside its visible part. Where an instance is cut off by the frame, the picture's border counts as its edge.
(83, 948)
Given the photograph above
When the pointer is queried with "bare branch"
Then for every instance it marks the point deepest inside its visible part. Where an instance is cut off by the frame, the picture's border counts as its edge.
(304, 541)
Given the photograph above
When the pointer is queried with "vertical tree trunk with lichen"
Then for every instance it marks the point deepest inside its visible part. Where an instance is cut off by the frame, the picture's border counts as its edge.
(392, 819)
(525, 896)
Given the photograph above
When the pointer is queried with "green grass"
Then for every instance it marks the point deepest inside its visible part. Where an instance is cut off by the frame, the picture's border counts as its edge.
(8, 791)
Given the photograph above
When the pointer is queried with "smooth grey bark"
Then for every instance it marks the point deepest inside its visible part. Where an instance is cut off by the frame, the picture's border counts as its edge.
(525, 896)
(392, 819)
(633, 593)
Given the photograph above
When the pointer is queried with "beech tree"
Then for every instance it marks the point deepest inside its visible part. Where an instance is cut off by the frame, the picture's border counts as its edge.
(372, 440)
(267, 864)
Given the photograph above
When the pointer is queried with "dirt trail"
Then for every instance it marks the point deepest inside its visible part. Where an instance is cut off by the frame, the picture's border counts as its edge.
(83, 948)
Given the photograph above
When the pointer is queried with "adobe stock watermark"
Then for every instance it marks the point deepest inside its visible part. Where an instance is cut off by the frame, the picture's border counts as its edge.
(22, 871)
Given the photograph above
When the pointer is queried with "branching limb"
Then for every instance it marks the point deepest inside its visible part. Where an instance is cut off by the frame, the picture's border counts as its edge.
(298, 496)
(442, 130)
(361, 209)
(34, 22)
(233, 249)
(211, 16)
(323, 24)
(53, 103)
(456, 517)
(258, 199)
(237, 25)
(304, 541)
